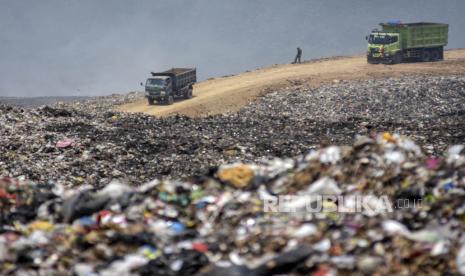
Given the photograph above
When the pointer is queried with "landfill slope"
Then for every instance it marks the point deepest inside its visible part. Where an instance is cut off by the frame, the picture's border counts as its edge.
(229, 94)
(284, 123)
(29, 102)
(87, 190)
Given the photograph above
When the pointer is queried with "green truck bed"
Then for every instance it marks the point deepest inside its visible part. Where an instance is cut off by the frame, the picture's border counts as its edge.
(419, 35)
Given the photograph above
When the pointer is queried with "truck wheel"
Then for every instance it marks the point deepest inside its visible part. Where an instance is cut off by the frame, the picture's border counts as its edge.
(372, 61)
(150, 101)
(169, 100)
(398, 58)
(425, 56)
(441, 53)
(188, 94)
(435, 55)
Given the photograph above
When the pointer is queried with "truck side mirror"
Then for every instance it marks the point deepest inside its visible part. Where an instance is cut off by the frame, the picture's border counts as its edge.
(141, 84)
(366, 37)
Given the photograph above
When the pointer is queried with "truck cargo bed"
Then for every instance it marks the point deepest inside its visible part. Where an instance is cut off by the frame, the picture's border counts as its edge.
(178, 71)
(419, 35)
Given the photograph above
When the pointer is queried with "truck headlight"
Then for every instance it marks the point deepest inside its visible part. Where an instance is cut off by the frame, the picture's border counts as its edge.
(162, 93)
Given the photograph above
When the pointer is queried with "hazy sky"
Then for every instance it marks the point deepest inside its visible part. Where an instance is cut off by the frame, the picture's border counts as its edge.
(96, 47)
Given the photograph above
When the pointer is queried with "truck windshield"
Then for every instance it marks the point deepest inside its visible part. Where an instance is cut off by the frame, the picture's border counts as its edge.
(156, 82)
(385, 39)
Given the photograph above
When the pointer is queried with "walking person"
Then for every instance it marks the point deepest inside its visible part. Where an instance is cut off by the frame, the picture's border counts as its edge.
(298, 56)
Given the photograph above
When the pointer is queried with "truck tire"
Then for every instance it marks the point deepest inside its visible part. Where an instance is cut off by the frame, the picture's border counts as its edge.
(188, 94)
(426, 56)
(169, 100)
(150, 101)
(435, 55)
(441, 53)
(372, 61)
(397, 58)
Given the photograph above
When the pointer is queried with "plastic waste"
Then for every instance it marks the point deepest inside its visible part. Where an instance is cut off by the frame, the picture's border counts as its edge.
(65, 143)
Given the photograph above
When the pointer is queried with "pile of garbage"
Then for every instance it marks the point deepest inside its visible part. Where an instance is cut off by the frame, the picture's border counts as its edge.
(429, 109)
(409, 99)
(89, 143)
(91, 191)
(31, 102)
(228, 222)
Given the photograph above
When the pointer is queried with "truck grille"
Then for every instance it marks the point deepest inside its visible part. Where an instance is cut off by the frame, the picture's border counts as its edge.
(154, 92)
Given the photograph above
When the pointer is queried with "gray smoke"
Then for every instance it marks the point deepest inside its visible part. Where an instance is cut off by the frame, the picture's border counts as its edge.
(96, 47)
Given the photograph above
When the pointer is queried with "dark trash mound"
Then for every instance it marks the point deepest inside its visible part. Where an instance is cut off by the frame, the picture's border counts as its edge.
(86, 190)
(286, 123)
(32, 102)
(220, 223)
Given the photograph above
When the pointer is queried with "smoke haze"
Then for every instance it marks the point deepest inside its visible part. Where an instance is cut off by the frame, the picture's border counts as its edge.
(97, 47)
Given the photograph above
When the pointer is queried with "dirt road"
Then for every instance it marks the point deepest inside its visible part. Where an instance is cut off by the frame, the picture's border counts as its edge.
(228, 94)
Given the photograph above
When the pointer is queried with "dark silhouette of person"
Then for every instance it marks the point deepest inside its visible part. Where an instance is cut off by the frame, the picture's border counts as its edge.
(298, 56)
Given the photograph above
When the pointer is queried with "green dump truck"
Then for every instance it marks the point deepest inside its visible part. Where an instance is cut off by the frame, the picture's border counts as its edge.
(165, 86)
(397, 42)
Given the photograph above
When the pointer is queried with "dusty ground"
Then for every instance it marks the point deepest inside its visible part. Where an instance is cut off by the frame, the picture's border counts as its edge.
(228, 94)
